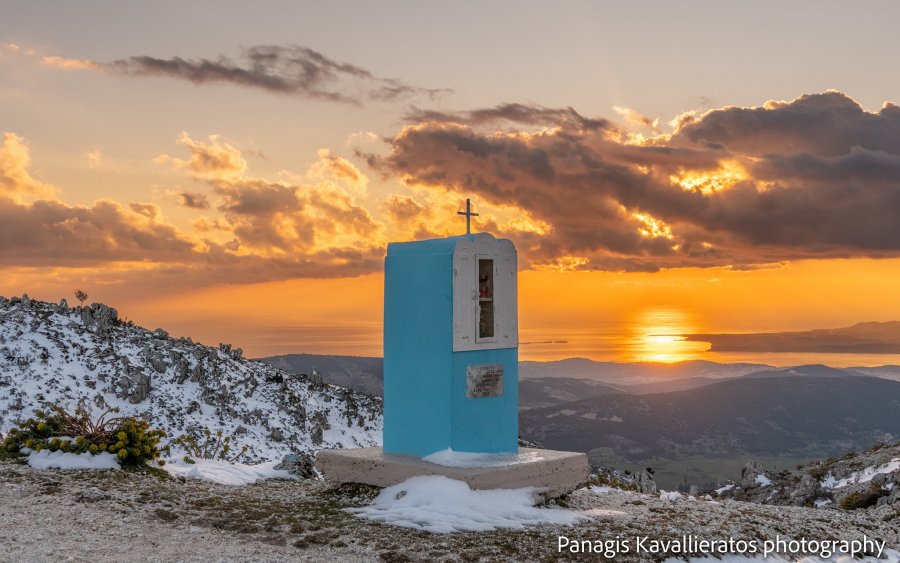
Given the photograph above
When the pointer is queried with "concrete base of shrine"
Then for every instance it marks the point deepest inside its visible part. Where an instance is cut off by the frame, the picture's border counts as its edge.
(554, 473)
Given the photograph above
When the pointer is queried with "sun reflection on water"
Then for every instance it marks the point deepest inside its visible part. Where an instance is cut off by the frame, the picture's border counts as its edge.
(656, 335)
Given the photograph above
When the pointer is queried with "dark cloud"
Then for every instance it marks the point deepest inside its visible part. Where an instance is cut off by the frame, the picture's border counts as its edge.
(828, 124)
(50, 232)
(523, 114)
(280, 69)
(193, 200)
(739, 187)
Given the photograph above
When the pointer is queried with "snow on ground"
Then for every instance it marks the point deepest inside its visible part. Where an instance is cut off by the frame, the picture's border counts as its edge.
(602, 490)
(50, 354)
(721, 490)
(763, 481)
(225, 473)
(45, 459)
(861, 476)
(441, 505)
(670, 496)
(451, 458)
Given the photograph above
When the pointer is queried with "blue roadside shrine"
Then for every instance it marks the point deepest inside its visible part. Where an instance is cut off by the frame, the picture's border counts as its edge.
(451, 365)
(451, 345)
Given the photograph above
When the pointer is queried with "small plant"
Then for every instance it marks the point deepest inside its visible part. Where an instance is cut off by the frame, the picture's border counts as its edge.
(209, 445)
(81, 296)
(129, 438)
(863, 499)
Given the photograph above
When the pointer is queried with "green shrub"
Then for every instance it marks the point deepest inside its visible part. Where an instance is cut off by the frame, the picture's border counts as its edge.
(207, 445)
(130, 438)
(863, 499)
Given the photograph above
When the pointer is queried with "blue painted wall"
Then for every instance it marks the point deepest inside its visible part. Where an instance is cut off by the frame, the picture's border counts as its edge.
(425, 403)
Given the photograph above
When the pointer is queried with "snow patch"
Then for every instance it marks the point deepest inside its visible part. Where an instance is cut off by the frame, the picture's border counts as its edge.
(670, 496)
(451, 458)
(602, 490)
(45, 459)
(721, 490)
(861, 476)
(822, 502)
(763, 481)
(441, 505)
(225, 473)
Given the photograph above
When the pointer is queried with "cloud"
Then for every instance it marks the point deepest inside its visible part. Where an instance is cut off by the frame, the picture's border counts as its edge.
(214, 160)
(49, 232)
(316, 214)
(637, 118)
(193, 200)
(826, 124)
(265, 231)
(69, 64)
(810, 178)
(15, 180)
(291, 70)
(94, 158)
(523, 114)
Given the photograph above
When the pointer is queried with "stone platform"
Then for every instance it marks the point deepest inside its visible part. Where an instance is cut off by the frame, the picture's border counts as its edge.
(555, 473)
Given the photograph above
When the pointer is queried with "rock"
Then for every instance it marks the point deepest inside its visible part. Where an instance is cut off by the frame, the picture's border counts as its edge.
(301, 465)
(160, 334)
(316, 435)
(277, 435)
(99, 317)
(315, 380)
(198, 374)
(749, 474)
(807, 491)
(63, 304)
(645, 483)
(182, 371)
(134, 386)
(157, 360)
(92, 494)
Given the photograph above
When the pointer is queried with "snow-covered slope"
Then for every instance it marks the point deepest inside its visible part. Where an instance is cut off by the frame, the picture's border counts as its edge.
(56, 354)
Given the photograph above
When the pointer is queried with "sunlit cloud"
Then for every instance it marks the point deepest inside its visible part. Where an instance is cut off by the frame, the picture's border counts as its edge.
(637, 118)
(15, 180)
(69, 64)
(214, 160)
(815, 177)
(94, 158)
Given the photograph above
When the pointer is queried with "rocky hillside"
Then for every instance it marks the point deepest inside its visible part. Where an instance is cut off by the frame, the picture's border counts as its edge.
(776, 415)
(53, 353)
(859, 479)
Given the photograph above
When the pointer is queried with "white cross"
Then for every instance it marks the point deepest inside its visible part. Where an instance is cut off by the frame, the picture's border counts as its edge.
(468, 213)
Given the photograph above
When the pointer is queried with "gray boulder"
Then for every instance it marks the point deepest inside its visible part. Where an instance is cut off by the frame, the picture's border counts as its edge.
(645, 483)
(302, 465)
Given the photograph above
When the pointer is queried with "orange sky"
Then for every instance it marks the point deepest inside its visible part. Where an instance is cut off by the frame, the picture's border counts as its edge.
(603, 315)
(239, 183)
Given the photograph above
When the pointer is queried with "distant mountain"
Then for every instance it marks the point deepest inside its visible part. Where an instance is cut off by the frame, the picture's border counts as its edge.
(635, 373)
(360, 373)
(793, 415)
(56, 354)
(669, 385)
(862, 338)
(812, 370)
(886, 372)
(542, 392)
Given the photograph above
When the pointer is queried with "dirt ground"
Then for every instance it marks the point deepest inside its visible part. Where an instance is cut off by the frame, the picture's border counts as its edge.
(52, 515)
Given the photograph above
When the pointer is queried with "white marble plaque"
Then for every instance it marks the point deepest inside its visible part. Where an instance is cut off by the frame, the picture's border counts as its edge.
(484, 380)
